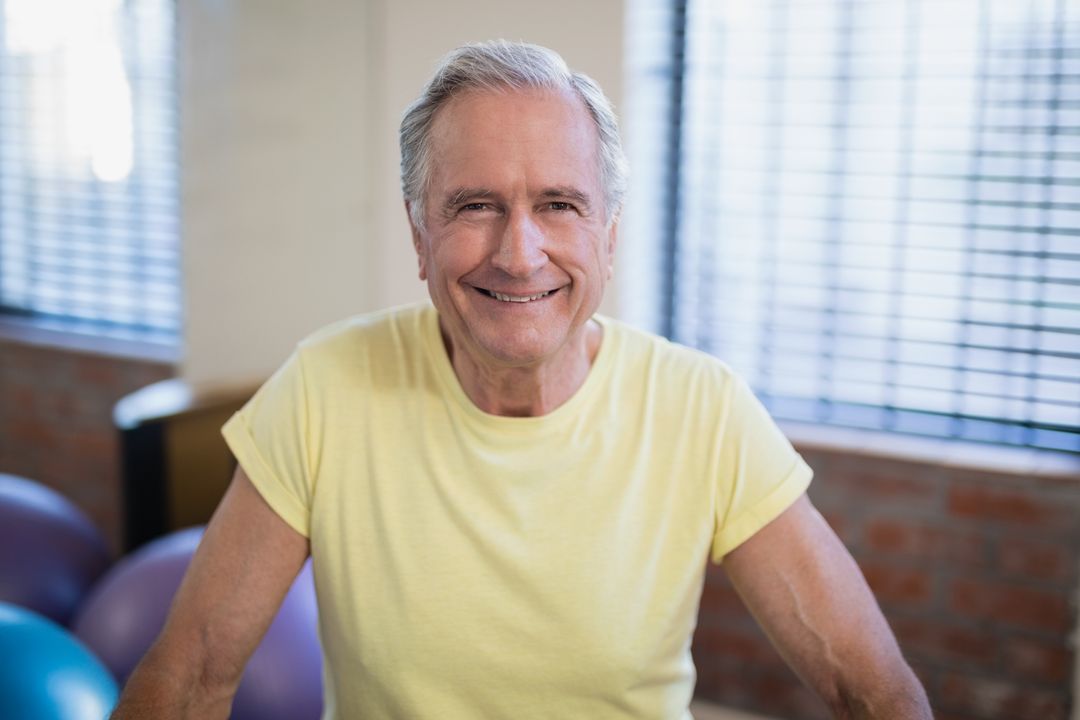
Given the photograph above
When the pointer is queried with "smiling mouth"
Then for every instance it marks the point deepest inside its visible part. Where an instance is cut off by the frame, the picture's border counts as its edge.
(515, 298)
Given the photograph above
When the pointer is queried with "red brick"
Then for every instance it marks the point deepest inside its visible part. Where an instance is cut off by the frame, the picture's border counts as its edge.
(941, 641)
(922, 541)
(927, 675)
(60, 406)
(716, 576)
(840, 524)
(98, 371)
(898, 585)
(816, 459)
(978, 501)
(1036, 559)
(781, 694)
(1036, 660)
(21, 397)
(1012, 604)
(884, 482)
(98, 444)
(725, 686)
(722, 601)
(744, 645)
(31, 433)
(1000, 700)
(1051, 476)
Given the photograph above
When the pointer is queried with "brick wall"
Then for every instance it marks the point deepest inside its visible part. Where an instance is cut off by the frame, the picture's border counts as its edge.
(976, 570)
(56, 421)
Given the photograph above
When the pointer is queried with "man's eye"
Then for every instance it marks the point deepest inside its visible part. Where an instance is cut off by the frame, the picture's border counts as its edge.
(558, 205)
(474, 206)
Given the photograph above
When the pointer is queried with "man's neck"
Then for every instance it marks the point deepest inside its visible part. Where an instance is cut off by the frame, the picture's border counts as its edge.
(527, 391)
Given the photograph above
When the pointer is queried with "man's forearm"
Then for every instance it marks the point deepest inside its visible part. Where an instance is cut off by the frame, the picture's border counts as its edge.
(158, 690)
(904, 699)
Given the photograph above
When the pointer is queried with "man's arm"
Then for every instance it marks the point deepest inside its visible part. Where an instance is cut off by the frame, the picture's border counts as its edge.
(806, 592)
(244, 566)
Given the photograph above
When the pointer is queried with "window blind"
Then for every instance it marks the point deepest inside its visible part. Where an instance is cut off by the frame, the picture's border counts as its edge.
(872, 208)
(88, 166)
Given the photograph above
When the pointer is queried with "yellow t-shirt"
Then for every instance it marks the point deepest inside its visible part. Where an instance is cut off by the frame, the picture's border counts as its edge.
(476, 566)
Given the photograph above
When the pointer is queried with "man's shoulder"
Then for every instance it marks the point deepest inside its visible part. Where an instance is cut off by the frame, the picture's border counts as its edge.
(655, 353)
(364, 337)
(370, 326)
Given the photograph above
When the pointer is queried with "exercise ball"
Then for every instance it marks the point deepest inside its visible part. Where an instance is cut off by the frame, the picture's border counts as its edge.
(283, 679)
(46, 673)
(53, 552)
(126, 610)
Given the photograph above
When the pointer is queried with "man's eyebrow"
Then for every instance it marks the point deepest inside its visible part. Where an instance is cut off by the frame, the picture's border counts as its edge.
(461, 194)
(567, 192)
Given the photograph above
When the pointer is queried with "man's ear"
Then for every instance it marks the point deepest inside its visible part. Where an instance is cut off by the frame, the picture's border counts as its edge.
(612, 243)
(417, 242)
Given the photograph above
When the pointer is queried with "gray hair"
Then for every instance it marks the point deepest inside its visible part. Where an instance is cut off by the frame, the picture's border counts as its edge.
(503, 65)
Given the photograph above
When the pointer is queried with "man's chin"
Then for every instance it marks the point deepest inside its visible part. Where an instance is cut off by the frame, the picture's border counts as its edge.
(514, 350)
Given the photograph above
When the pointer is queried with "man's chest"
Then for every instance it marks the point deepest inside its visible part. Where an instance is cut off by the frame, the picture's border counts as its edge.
(544, 568)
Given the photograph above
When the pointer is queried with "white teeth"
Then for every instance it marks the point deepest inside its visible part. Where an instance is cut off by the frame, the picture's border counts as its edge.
(517, 298)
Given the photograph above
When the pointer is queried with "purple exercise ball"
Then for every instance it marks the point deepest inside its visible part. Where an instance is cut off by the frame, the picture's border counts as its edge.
(53, 552)
(124, 613)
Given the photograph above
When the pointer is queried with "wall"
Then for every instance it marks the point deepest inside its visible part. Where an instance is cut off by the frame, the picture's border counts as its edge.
(976, 570)
(275, 178)
(292, 210)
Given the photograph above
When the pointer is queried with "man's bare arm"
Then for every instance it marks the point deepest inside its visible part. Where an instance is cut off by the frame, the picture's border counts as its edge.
(805, 590)
(243, 568)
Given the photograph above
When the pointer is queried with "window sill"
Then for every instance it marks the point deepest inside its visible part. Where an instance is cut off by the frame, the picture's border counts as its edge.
(75, 338)
(948, 453)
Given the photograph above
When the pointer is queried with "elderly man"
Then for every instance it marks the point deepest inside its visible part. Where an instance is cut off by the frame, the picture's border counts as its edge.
(509, 500)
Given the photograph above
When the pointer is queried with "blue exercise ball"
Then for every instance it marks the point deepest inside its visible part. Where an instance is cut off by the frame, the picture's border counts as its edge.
(47, 674)
(53, 554)
(126, 610)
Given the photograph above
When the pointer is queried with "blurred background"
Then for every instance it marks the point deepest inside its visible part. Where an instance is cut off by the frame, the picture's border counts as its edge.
(870, 208)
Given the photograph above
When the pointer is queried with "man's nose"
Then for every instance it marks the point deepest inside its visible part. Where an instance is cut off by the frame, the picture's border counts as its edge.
(521, 247)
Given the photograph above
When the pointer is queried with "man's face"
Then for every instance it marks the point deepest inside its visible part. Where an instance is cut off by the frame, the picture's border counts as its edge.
(515, 250)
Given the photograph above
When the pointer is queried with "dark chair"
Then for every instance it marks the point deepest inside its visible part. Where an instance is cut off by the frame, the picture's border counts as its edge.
(175, 463)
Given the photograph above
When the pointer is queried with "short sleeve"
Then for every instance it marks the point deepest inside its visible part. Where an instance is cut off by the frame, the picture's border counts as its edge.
(269, 438)
(759, 473)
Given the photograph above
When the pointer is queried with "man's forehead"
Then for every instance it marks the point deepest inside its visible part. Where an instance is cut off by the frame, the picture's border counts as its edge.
(479, 133)
(500, 145)
(495, 110)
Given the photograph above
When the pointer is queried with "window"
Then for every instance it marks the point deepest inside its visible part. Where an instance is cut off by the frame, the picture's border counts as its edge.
(88, 178)
(869, 208)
